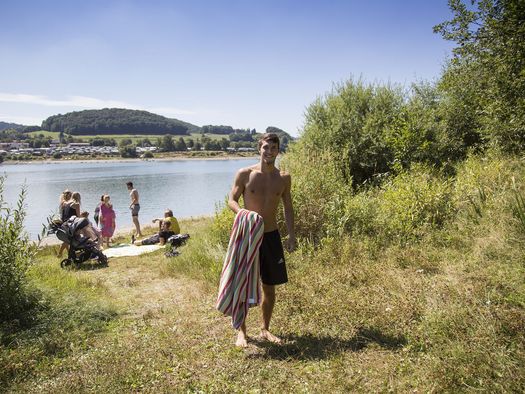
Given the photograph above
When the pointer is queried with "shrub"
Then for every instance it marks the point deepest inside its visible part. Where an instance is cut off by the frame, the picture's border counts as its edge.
(147, 155)
(351, 122)
(318, 192)
(222, 223)
(16, 255)
(413, 202)
(127, 151)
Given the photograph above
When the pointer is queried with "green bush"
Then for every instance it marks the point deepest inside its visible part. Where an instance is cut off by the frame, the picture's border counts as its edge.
(16, 255)
(351, 123)
(413, 202)
(222, 223)
(147, 155)
(318, 192)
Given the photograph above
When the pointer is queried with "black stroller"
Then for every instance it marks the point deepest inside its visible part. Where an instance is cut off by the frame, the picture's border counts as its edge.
(174, 242)
(81, 248)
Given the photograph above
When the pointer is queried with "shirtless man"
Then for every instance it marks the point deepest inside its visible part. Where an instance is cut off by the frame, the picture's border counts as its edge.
(134, 207)
(263, 186)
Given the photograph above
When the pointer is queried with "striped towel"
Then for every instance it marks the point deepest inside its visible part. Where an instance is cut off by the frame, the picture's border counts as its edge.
(239, 285)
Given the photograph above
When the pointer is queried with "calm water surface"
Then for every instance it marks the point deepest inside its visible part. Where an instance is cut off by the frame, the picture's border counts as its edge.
(188, 187)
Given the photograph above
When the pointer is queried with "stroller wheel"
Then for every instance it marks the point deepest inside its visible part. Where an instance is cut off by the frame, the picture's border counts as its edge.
(66, 263)
(103, 260)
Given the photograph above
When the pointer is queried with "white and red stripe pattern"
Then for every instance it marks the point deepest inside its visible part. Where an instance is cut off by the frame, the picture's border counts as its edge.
(239, 285)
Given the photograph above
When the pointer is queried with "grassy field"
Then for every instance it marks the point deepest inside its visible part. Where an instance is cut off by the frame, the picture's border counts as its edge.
(445, 313)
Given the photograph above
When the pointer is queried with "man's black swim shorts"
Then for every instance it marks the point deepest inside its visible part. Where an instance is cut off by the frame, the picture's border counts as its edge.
(271, 255)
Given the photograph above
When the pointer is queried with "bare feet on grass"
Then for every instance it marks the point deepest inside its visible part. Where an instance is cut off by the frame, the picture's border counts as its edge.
(242, 340)
(265, 334)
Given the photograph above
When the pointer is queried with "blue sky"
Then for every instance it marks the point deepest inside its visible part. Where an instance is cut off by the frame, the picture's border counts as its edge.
(240, 63)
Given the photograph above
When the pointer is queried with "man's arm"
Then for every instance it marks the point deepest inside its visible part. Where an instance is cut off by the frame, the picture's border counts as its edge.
(288, 213)
(237, 189)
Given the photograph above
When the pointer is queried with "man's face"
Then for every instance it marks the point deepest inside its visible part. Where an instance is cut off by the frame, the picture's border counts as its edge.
(269, 151)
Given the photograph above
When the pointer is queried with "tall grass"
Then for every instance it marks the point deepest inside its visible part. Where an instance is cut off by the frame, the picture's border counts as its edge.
(16, 256)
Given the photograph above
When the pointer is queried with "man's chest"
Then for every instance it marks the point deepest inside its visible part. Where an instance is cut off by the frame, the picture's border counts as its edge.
(265, 186)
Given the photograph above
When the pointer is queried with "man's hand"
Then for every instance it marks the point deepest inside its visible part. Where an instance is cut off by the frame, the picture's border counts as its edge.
(290, 244)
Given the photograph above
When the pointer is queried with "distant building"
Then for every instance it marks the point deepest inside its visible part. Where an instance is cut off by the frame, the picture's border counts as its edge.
(14, 145)
(78, 144)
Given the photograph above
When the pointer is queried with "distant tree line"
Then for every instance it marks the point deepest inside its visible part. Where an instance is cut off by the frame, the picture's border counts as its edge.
(114, 121)
(211, 129)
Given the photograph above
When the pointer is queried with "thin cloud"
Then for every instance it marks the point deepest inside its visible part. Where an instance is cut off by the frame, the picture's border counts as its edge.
(85, 102)
(25, 120)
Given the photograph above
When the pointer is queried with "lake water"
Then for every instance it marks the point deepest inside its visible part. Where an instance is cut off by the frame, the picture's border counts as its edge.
(188, 187)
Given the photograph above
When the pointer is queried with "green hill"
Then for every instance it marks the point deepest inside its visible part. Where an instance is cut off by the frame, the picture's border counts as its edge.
(116, 121)
(11, 126)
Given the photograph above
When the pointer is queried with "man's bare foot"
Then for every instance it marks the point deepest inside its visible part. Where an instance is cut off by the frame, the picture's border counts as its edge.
(241, 340)
(265, 334)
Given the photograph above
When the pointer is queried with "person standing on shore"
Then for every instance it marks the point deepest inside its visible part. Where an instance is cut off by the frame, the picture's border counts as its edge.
(134, 207)
(263, 186)
(70, 208)
(107, 220)
(65, 196)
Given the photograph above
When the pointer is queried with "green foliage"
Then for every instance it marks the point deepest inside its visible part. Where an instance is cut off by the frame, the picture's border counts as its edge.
(210, 129)
(518, 207)
(222, 223)
(11, 126)
(351, 123)
(166, 144)
(147, 155)
(318, 192)
(413, 203)
(487, 73)
(128, 151)
(115, 121)
(16, 255)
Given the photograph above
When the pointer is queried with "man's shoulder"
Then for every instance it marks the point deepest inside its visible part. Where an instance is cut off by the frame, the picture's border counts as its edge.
(246, 171)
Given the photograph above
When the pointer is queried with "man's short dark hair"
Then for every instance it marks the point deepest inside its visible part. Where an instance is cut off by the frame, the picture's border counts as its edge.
(268, 137)
(129, 184)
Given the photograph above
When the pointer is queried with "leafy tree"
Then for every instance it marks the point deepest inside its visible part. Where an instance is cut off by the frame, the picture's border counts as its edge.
(167, 143)
(352, 124)
(128, 151)
(125, 142)
(181, 145)
(487, 71)
(224, 143)
(210, 129)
